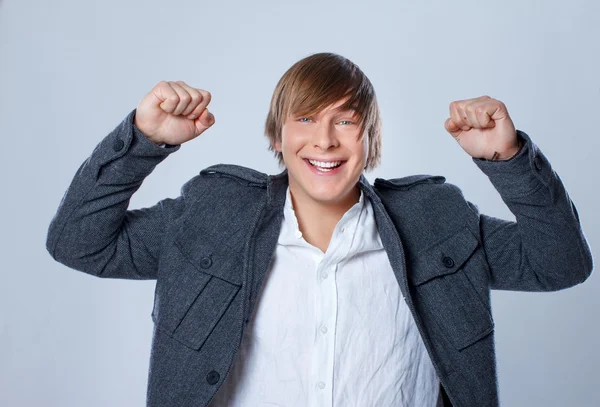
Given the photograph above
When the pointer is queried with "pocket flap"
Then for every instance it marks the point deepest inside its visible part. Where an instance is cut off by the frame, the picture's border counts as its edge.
(219, 258)
(443, 257)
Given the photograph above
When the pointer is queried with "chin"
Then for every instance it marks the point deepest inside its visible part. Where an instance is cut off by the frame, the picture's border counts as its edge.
(325, 195)
(327, 192)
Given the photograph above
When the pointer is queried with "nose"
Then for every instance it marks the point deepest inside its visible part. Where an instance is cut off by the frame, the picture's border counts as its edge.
(324, 137)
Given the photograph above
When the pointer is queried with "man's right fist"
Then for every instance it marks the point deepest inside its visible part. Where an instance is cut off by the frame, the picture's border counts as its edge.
(173, 113)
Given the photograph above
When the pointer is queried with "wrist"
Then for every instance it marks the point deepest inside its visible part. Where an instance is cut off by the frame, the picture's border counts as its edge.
(508, 154)
(157, 142)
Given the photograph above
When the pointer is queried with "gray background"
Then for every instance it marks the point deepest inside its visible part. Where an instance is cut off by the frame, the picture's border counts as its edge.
(71, 70)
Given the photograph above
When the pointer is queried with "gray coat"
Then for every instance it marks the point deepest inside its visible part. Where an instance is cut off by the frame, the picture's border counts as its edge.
(209, 250)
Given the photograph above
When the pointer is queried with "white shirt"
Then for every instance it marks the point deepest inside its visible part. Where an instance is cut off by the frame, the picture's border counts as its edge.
(331, 329)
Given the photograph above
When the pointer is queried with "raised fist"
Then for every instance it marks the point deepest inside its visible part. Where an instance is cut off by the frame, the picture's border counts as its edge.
(173, 113)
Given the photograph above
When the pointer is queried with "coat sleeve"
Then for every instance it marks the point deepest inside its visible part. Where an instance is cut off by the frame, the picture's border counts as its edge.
(92, 230)
(545, 249)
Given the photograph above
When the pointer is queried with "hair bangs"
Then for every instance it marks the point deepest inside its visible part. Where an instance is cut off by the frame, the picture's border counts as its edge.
(315, 90)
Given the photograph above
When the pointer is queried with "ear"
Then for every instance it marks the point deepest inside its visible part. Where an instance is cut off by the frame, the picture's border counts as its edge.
(277, 146)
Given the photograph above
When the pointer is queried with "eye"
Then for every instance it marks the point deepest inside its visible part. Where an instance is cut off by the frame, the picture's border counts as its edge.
(301, 119)
(349, 122)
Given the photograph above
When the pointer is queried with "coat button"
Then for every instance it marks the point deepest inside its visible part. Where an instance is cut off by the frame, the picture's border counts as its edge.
(205, 262)
(212, 377)
(118, 144)
(537, 162)
(448, 262)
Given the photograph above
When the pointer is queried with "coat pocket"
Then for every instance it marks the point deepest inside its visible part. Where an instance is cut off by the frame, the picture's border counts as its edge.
(193, 293)
(444, 293)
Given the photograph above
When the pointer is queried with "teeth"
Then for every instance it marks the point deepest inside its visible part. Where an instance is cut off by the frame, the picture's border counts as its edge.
(325, 164)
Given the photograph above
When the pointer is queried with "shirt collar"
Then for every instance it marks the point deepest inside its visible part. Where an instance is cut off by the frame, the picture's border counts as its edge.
(358, 223)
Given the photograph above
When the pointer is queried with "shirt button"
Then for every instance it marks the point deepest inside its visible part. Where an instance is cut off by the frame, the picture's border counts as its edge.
(298, 234)
(343, 229)
(324, 275)
(321, 385)
(323, 329)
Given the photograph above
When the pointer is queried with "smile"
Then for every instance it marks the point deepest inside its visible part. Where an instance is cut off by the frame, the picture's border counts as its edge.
(325, 164)
(324, 167)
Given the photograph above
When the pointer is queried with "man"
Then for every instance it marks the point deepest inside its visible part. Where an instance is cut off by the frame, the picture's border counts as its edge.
(312, 286)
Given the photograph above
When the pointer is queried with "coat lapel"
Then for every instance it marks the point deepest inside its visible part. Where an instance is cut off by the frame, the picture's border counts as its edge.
(389, 236)
(263, 240)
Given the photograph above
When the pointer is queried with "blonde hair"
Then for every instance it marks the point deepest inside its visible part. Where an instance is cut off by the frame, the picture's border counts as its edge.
(316, 82)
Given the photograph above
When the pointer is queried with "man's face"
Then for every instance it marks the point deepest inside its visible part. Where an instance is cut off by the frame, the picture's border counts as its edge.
(323, 154)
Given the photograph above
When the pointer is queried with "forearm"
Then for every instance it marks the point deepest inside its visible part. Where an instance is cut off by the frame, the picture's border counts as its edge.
(92, 229)
(545, 249)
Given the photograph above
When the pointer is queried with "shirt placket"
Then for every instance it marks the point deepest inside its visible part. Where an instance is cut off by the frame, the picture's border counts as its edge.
(324, 329)
(326, 310)
(325, 307)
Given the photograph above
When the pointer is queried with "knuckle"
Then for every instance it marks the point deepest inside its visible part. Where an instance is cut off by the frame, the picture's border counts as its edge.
(196, 97)
(162, 85)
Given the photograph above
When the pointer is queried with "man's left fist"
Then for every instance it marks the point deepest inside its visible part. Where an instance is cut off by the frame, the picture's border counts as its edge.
(483, 128)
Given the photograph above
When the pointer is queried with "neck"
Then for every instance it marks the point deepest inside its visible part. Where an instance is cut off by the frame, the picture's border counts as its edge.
(317, 219)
